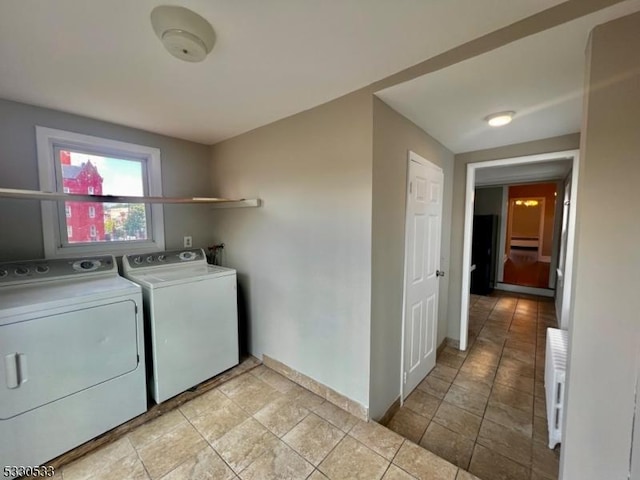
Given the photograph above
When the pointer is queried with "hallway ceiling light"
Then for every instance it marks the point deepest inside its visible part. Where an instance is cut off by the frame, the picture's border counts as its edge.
(185, 34)
(500, 119)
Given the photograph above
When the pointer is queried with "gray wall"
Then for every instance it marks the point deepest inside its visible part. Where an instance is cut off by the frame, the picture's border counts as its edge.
(393, 137)
(185, 172)
(556, 144)
(605, 326)
(304, 257)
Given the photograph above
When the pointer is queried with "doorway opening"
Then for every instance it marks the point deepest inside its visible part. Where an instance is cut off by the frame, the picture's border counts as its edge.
(523, 245)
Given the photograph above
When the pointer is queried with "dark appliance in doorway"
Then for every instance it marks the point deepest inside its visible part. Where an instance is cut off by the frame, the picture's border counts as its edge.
(484, 253)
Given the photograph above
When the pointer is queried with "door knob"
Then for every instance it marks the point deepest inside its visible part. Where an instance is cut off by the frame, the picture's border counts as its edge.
(439, 273)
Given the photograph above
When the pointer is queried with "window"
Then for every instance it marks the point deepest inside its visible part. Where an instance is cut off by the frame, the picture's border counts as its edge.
(80, 164)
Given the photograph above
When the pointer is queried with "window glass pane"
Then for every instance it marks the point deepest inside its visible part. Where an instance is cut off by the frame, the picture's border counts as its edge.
(88, 222)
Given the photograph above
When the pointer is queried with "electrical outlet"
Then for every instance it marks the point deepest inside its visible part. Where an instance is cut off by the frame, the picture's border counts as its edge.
(187, 242)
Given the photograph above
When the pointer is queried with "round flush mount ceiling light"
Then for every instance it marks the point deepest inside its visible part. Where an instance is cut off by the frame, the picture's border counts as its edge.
(185, 34)
(500, 119)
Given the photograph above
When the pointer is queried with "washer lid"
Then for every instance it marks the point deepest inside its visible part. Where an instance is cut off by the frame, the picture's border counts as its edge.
(165, 277)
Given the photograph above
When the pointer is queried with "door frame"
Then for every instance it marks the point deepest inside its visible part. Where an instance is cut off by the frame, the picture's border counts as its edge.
(412, 156)
(468, 226)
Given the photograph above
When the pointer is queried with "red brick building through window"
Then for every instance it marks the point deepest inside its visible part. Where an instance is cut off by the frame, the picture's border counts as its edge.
(85, 221)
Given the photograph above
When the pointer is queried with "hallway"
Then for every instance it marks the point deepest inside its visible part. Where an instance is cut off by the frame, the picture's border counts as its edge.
(484, 409)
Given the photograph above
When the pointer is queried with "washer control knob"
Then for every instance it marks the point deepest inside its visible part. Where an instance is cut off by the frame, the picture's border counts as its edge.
(42, 269)
(21, 271)
(3, 273)
(150, 259)
(162, 258)
(137, 260)
(186, 256)
(86, 265)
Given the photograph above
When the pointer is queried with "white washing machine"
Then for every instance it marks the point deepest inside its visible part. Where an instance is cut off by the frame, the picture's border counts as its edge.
(72, 354)
(191, 312)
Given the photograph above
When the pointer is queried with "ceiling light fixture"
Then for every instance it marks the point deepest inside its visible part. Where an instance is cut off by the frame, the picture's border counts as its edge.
(500, 119)
(185, 34)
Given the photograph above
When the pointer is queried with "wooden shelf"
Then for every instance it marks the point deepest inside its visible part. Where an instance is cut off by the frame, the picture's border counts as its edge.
(69, 197)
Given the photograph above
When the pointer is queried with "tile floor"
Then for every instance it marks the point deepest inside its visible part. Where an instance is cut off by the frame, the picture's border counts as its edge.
(484, 409)
(261, 426)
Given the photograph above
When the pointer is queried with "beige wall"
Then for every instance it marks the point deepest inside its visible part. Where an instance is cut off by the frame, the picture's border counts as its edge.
(393, 137)
(304, 257)
(556, 144)
(605, 326)
(185, 172)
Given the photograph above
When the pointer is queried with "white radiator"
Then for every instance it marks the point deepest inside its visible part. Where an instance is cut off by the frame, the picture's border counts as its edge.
(554, 377)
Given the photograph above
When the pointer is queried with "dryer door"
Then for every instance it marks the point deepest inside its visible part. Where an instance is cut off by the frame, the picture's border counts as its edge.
(48, 358)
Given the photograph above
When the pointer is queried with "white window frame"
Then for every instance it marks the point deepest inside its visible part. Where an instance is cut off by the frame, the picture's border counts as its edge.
(67, 211)
(90, 190)
(70, 230)
(48, 140)
(92, 211)
(93, 231)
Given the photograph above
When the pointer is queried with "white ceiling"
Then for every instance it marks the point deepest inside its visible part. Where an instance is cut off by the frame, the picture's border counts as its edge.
(273, 58)
(526, 173)
(540, 77)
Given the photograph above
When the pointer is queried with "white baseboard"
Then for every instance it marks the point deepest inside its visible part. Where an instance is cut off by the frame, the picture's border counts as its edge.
(543, 292)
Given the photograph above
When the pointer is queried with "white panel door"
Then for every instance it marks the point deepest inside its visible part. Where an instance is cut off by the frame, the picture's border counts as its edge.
(422, 257)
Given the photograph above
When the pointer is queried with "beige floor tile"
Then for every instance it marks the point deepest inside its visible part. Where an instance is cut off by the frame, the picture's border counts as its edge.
(129, 467)
(458, 420)
(317, 475)
(506, 442)
(511, 378)
(434, 386)
(509, 397)
(281, 415)
(156, 428)
(423, 464)
(378, 438)
(489, 465)
(278, 463)
(307, 399)
(205, 465)
(274, 379)
(468, 400)
(99, 460)
(464, 475)
(450, 359)
(211, 400)
(336, 416)
(545, 461)
(313, 438)
(540, 430)
(451, 446)
(243, 444)
(513, 418)
(444, 372)
(351, 460)
(408, 424)
(422, 403)
(171, 449)
(250, 393)
(483, 358)
(214, 423)
(395, 473)
(478, 384)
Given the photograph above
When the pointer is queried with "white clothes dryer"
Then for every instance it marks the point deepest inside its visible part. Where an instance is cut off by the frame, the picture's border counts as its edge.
(72, 355)
(191, 316)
